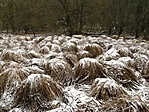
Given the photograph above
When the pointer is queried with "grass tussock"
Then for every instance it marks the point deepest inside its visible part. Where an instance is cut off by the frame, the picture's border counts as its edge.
(11, 55)
(69, 47)
(11, 78)
(124, 103)
(105, 89)
(88, 69)
(122, 74)
(93, 49)
(59, 70)
(125, 52)
(36, 92)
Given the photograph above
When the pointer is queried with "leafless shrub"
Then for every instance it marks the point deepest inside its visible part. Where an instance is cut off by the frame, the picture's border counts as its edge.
(59, 70)
(36, 92)
(105, 88)
(121, 74)
(87, 69)
(124, 103)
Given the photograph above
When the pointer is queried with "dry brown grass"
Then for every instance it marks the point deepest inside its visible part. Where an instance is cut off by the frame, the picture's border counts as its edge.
(69, 47)
(146, 71)
(94, 49)
(105, 89)
(36, 92)
(87, 69)
(71, 59)
(59, 70)
(124, 103)
(83, 54)
(125, 52)
(44, 50)
(11, 55)
(122, 74)
(11, 78)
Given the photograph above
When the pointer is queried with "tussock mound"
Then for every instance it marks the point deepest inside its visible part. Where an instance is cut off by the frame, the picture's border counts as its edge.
(83, 54)
(33, 54)
(44, 50)
(129, 62)
(69, 47)
(59, 70)
(71, 59)
(12, 55)
(105, 88)
(87, 69)
(111, 54)
(10, 79)
(146, 71)
(125, 52)
(36, 92)
(140, 60)
(94, 49)
(121, 73)
(124, 104)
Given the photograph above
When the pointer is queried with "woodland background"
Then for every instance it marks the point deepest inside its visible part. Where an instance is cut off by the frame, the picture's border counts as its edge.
(111, 17)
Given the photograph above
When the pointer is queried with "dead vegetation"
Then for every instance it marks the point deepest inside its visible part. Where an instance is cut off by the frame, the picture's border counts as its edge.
(88, 69)
(124, 103)
(59, 70)
(36, 92)
(105, 89)
(73, 74)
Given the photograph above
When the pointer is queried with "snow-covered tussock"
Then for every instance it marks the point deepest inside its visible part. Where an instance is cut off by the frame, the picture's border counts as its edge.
(59, 70)
(87, 69)
(36, 92)
(105, 88)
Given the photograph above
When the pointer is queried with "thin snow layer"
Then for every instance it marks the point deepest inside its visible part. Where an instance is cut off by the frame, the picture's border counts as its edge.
(31, 54)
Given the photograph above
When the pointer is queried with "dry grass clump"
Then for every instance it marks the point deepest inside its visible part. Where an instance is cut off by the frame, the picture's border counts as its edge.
(146, 71)
(69, 47)
(11, 55)
(121, 74)
(71, 59)
(11, 78)
(33, 54)
(36, 92)
(87, 69)
(125, 52)
(59, 70)
(44, 50)
(140, 60)
(124, 103)
(94, 49)
(105, 88)
(83, 54)
(111, 54)
(128, 62)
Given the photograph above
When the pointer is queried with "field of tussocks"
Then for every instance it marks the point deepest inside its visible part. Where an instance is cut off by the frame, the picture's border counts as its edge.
(73, 74)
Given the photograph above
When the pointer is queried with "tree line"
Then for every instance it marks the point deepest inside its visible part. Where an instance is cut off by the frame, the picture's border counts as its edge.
(75, 16)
